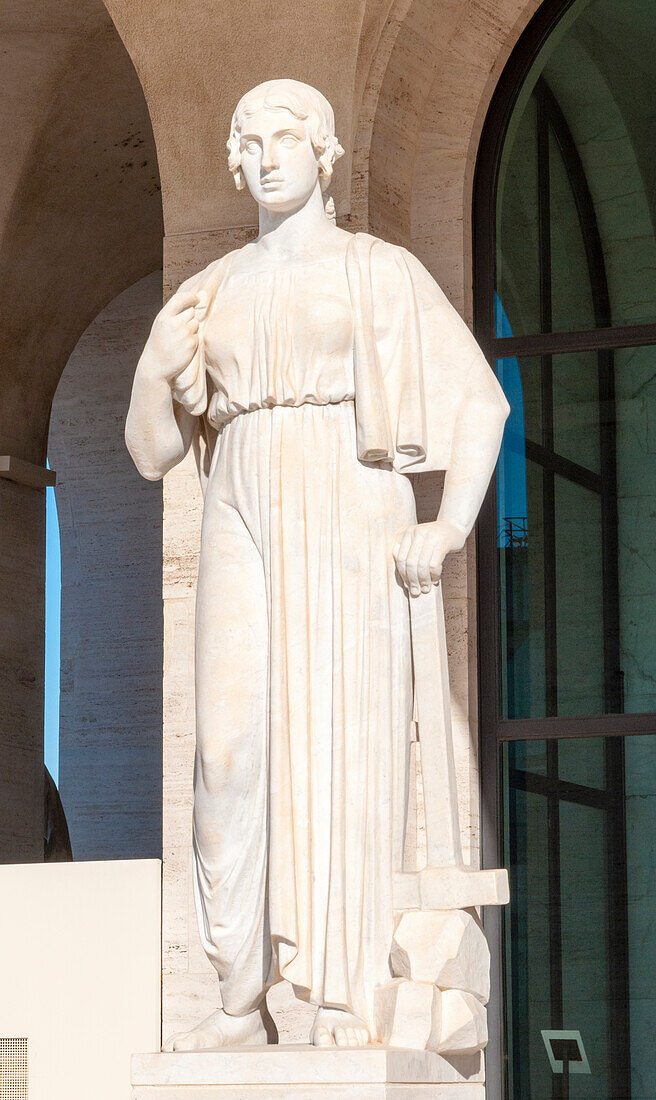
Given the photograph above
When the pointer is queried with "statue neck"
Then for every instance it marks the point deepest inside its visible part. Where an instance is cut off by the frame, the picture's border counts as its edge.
(295, 231)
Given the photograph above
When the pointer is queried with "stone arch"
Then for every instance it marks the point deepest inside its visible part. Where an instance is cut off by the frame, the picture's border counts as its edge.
(80, 219)
(110, 523)
(84, 221)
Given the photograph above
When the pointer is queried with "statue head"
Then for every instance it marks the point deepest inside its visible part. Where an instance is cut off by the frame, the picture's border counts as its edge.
(282, 141)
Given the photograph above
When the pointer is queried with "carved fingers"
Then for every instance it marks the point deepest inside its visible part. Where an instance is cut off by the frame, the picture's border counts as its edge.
(420, 551)
(174, 338)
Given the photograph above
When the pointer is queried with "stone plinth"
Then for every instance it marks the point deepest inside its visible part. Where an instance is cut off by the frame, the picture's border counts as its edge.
(305, 1073)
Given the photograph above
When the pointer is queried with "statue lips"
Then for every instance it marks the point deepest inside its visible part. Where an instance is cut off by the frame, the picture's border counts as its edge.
(271, 181)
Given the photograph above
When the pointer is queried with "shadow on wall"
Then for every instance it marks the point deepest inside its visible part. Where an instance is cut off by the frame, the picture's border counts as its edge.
(110, 756)
(56, 838)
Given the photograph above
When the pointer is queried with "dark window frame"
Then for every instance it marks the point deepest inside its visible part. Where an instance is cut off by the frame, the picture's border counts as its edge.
(603, 339)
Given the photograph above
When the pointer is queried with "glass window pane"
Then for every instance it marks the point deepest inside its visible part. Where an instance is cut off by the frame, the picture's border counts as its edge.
(575, 382)
(577, 617)
(518, 260)
(582, 761)
(528, 756)
(579, 600)
(585, 946)
(572, 303)
(579, 930)
(521, 577)
(588, 105)
(635, 383)
(527, 974)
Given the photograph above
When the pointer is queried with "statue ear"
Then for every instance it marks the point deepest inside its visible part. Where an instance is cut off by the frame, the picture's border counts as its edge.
(329, 207)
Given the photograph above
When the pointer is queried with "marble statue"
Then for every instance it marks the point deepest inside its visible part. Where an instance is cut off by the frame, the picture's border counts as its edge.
(312, 370)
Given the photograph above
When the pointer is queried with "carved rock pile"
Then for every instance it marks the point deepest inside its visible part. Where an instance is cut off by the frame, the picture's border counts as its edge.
(440, 965)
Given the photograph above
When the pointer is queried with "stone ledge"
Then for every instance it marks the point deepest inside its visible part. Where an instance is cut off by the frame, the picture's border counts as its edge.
(310, 1092)
(305, 1072)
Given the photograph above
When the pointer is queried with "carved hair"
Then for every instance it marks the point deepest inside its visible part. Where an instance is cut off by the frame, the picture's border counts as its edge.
(304, 102)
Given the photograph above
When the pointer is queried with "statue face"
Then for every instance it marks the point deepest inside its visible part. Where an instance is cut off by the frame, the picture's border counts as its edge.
(278, 162)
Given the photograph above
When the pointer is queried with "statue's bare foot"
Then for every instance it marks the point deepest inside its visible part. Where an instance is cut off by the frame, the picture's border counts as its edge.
(334, 1027)
(221, 1030)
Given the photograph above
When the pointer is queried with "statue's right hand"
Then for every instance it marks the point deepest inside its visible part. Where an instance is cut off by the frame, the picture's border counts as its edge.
(173, 338)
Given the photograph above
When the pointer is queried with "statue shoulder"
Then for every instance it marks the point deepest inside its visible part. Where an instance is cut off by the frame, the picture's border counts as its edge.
(385, 255)
(393, 266)
(209, 277)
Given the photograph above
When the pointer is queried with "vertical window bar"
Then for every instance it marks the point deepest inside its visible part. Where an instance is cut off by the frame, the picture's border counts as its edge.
(548, 491)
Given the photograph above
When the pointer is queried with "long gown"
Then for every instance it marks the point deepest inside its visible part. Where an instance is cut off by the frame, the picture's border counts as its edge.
(304, 664)
(318, 383)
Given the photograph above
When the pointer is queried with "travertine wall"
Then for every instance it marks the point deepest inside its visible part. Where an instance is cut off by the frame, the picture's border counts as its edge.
(110, 523)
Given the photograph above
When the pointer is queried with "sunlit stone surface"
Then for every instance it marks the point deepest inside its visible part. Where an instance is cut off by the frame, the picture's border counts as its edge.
(311, 371)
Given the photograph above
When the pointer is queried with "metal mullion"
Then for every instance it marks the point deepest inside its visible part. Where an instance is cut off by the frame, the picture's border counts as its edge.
(546, 372)
(617, 919)
(606, 390)
(558, 464)
(594, 797)
(555, 904)
(613, 683)
(598, 725)
(560, 343)
(518, 944)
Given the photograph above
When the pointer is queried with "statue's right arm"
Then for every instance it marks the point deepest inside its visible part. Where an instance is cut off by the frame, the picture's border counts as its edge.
(158, 430)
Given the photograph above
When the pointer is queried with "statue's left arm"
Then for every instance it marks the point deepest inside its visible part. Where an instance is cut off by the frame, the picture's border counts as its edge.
(462, 389)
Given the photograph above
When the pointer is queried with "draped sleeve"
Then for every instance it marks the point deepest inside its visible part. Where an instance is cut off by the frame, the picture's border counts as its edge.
(419, 372)
(192, 387)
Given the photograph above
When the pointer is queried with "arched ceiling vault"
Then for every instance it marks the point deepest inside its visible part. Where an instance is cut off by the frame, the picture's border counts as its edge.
(442, 71)
(409, 79)
(80, 208)
(193, 71)
(80, 213)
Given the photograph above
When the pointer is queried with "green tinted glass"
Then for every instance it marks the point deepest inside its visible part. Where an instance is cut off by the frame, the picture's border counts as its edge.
(576, 498)
(579, 831)
(575, 202)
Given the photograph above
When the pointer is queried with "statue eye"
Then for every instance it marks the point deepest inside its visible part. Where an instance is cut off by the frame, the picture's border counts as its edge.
(251, 146)
(289, 140)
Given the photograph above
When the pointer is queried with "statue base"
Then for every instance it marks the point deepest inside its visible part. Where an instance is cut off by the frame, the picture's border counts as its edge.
(307, 1073)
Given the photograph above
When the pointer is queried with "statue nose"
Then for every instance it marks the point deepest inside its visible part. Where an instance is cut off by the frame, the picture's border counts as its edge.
(269, 159)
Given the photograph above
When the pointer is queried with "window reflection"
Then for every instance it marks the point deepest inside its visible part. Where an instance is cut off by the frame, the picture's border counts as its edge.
(576, 549)
(579, 835)
(578, 156)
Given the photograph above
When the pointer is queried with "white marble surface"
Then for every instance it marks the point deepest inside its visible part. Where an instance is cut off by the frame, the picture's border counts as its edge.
(463, 1028)
(305, 1065)
(280, 365)
(448, 948)
(409, 1014)
(355, 1091)
(81, 978)
(455, 887)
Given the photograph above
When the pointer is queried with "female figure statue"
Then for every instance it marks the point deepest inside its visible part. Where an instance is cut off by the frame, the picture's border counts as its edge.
(312, 367)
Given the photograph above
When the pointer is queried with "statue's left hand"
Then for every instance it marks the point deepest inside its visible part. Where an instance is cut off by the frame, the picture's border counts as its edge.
(420, 550)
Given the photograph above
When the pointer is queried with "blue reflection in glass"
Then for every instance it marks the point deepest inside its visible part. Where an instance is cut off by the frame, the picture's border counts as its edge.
(512, 509)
